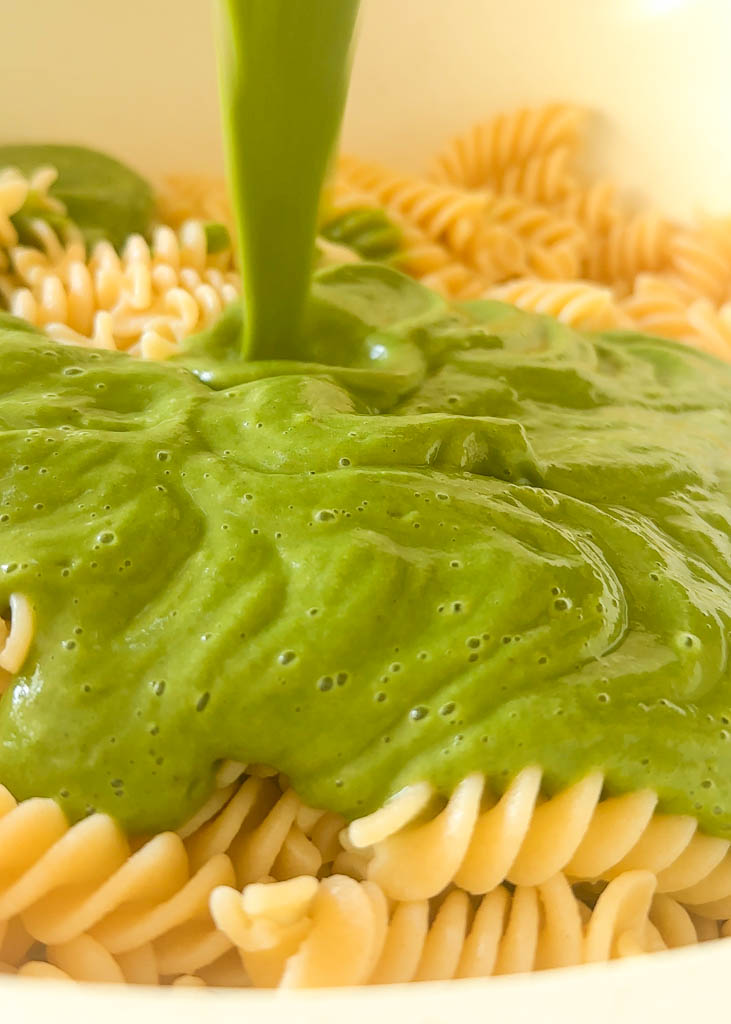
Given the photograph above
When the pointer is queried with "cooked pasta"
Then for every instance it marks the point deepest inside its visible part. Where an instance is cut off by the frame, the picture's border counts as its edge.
(478, 841)
(544, 178)
(701, 262)
(507, 210)
(140, 299)
(451, 216)
(339, 931)
(541, 224)
(576, 303)
(16, 638)
(258, 888)
(13, 193)
(489, 149)
(630, 247)
(66, 881)
(188, 197)
(108, 912)
(419, 255)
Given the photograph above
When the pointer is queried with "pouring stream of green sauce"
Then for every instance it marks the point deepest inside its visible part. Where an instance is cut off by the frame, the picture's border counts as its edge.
(406, 541)
(284, 69)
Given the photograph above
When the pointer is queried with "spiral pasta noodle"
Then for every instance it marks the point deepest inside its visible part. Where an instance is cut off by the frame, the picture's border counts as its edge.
(17, 635)
(420, 256)
(88, 896)
(148, 295)
(244, 873)
(576, 303)
(66, 881)
(443, 213)
(476, 158)
(544, 178)
(499, 236)
(339, 931)
(184, 197)
(534, 220)
(630, 247)
(595, 207)
(14, 188)
(478, 841)
(701, 262)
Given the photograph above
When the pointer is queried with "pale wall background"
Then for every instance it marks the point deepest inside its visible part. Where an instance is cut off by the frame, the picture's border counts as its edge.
(138, 78)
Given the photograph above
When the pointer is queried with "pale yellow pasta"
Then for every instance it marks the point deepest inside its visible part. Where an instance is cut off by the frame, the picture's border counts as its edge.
(595, 207)
(436, 267)
(507, 208)
(718, 230)
(339, 931)
(265, 897)
(665, 305)
(700, 261)
(631, 246)
(184, 197)
(477, 841)
(16, 637)
(476, 158)
(66, 881)
(619, 924)
(163, 291)
(710, 327)
(539, 234)
(675, 924)
(84, 959)
(544, 178)
(445, 214)
(14, 190)
(84, 889)
(420, 255)
(659, 305)
(258, 829)
(576, 303)
(498, 236)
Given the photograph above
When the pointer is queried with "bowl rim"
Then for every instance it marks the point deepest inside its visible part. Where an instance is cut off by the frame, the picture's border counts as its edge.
(648, 987)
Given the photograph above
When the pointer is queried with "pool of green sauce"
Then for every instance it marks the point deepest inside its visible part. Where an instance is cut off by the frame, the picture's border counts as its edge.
(440, 540)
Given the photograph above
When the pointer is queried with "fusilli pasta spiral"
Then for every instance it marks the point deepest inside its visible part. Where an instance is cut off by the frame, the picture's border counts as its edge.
(477, 158)
(16, 635)
(14, 190)
(338, 931)
(576, 303)
(701, 262)
(452, 216)
(478, 841)
(150, 293)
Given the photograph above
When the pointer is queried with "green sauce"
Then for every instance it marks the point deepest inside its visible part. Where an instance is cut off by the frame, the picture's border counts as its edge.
(440, 541)
(284, 76)
(422, 541)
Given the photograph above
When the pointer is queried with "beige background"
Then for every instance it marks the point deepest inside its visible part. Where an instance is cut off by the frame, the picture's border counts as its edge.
(137, 77)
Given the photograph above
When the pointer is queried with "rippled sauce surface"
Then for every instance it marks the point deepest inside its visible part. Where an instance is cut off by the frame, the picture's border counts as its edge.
(443, 541)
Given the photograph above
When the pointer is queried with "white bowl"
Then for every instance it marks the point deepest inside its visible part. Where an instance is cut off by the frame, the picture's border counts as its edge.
(137, 78)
